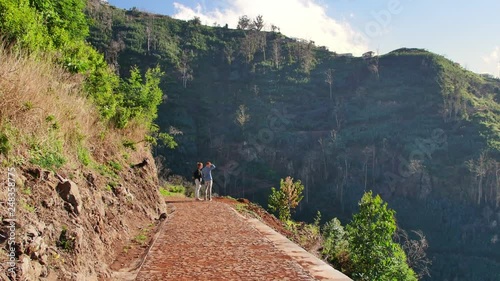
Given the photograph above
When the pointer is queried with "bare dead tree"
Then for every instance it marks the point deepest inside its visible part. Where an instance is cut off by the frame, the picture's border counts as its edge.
(323, 144)
(276, 57)
(243, 22)
(249, 46)
(229, 54)
(185, 69)
(258, 23)
(415, 250)
(329, 80)
(242, 115)
(479, 169)
(497, 183)
(262, 43)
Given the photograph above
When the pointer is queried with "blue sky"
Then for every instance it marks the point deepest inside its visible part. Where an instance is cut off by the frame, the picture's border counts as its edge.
(464, 31)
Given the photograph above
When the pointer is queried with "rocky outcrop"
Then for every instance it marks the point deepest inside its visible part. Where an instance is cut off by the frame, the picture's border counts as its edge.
(69, 192)
(73, 229)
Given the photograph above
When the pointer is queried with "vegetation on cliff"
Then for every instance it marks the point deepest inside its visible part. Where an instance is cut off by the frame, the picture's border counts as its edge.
(411, 125)
(71, 135)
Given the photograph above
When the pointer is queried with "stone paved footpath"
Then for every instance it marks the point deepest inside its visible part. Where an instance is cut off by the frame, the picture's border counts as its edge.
(210, 241)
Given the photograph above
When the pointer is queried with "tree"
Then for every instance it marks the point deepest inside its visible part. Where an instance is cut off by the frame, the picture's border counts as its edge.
(258, 23)
(249, 45)
(229, 53)
(262, 43)
(335, 245)
(285, 199)
(141, 97)
(276, 55)
(374, 254)
(329, 80)
(415, 251)
(185, 69)
(479, 169)
(243, 22)
(242, 116)
(302, 52)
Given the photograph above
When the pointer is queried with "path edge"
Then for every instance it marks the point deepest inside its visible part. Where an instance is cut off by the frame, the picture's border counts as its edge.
(318, 268)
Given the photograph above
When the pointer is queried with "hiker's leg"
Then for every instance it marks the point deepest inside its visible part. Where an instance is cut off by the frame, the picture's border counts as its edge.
(210, 183)
(197, 188)
(206, 189)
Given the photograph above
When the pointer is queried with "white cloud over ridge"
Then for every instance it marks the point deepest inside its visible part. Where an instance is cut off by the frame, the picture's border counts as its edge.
(493, 57)
(305, 19)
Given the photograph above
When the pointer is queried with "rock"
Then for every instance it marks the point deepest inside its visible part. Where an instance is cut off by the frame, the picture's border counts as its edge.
(37, 269)
(37, 248)
(70, 193)
(119, 190)
(243, 200)
(44, 259)
(48, 203)
(20, 181)
(90, 179)
(27, 270)
(3, 276)
(144, 162)
(40, 226)
(79, 238)
(31, 231)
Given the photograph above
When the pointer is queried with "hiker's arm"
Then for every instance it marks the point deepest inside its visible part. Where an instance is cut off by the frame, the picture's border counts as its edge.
(213, 167)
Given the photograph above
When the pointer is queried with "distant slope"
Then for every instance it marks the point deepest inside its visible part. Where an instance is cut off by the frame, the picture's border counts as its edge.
(413, 126)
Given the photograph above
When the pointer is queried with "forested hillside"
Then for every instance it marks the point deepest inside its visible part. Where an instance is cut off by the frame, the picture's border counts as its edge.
(411, 125)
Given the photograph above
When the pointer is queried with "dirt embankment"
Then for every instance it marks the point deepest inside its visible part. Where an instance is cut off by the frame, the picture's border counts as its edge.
(75, 229)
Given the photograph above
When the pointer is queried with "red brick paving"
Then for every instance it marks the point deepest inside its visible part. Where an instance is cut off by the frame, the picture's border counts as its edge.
(209, 241)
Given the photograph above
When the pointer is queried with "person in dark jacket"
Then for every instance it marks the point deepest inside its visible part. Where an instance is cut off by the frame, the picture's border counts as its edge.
(197, 176)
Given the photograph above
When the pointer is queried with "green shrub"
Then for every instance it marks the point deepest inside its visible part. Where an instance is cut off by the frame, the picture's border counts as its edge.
(374, 254)
(83, 155)
(115, 166)
(129, 144)
(5, 146)
(104, 170)
(285, 199)
(65, 242)
(49, 155)
(335, 244)
(172, 190)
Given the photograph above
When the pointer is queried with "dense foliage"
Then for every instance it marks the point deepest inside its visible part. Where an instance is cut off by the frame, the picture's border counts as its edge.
(413, 126)
(286, 198)
(373, 253)
(365, 249)
(58, 30)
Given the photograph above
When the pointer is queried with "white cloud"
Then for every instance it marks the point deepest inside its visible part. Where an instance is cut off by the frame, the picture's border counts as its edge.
(493, 57)
(305, 19)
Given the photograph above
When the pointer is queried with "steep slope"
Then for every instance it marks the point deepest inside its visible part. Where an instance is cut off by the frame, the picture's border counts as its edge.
(410, 125)
(73, 202)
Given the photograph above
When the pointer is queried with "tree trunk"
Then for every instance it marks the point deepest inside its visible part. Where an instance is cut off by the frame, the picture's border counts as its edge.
(480, 190)
(366, 173)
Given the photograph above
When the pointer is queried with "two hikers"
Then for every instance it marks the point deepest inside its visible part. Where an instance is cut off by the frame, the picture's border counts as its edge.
(206, 175)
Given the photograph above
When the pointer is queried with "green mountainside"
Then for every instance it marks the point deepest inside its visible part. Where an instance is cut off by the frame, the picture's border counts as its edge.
(413, 126)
